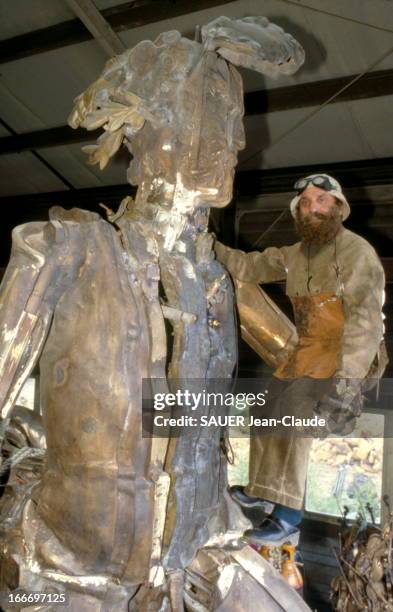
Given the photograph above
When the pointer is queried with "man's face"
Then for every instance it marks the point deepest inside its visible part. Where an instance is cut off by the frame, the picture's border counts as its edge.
(316, 204)
(318, 216)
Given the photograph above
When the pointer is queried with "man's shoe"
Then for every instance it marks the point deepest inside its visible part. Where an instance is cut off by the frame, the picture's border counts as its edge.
(273, 532)
(252, 503)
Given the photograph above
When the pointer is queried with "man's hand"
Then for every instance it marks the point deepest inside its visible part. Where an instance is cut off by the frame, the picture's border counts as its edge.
(342, 406)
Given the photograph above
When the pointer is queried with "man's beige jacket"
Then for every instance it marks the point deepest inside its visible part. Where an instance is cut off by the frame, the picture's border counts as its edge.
(347, 267)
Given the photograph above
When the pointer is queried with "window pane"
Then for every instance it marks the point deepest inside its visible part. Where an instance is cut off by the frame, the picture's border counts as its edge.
(348, 471)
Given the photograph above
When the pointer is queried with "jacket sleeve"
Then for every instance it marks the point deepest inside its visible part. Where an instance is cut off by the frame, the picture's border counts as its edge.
(256, 267)
(363, 298)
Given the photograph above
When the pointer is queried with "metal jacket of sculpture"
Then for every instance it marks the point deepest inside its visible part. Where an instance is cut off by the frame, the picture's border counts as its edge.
(116, 520)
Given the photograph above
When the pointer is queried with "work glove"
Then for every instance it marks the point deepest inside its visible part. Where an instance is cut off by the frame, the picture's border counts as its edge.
(341, 407)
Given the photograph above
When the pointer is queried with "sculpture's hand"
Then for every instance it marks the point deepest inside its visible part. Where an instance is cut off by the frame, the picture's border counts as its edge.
(86, 103)
(120, 113)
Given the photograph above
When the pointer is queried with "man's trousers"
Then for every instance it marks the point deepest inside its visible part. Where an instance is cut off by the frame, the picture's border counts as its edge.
(278, 464)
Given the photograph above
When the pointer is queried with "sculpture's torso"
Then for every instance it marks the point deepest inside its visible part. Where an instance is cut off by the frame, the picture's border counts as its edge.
(107, 334)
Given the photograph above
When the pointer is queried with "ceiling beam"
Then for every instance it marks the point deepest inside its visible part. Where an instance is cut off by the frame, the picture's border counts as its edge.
(121, 17)
(43, 161)
(372, 85)
(360, 173)
(98, 26)
(42, 139)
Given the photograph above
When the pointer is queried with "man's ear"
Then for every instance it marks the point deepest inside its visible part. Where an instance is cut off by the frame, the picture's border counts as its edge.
(341, 207)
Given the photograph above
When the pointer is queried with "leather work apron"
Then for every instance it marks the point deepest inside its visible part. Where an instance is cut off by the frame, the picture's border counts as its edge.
(319, 322)
(278, 465)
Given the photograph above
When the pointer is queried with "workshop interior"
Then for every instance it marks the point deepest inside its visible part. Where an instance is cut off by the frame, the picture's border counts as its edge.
(166, 171)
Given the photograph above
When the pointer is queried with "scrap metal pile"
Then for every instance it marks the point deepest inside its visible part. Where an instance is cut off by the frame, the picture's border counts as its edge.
(366, 564)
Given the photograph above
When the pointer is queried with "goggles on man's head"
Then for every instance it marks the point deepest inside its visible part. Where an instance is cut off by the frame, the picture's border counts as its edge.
(323, 181)
(326, 182)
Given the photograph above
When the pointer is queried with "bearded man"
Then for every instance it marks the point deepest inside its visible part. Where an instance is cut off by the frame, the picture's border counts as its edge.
(335, 282)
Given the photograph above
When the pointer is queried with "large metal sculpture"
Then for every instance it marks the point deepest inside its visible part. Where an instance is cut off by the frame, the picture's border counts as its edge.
(115, 520)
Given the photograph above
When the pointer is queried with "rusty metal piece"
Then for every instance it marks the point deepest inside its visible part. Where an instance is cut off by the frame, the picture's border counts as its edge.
(237, 580)
(174, 314)
(366, 569)
(263, 325)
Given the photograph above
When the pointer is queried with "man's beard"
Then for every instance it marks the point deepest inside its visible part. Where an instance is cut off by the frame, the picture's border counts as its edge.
(316, 228)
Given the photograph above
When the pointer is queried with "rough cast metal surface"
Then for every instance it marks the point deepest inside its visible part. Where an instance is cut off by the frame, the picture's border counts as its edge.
(115, 518)
(224, 580)
(263, 325)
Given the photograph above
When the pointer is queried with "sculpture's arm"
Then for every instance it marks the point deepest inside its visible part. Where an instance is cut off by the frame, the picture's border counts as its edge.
(31, 286)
